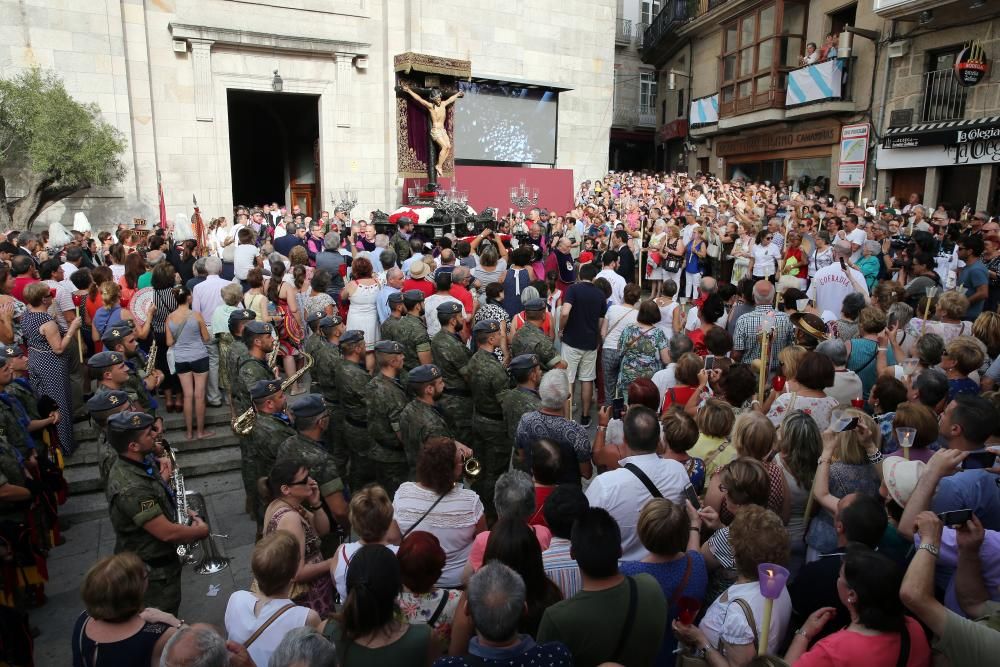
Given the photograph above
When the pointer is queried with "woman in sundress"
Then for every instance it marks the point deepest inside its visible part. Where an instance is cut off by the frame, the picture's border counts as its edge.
(642, 346)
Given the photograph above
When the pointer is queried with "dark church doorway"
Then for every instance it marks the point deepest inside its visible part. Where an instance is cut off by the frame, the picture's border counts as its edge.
(273, 148)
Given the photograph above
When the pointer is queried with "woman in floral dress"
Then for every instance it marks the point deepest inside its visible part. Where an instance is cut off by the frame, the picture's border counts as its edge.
(642, 346)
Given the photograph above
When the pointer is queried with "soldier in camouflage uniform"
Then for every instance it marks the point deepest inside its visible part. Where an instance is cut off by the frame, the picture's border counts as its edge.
(101, 407)
(487, 380)
(530, 339)
(18, 491)
(245, 373)
(15, 422)
(20, 389)
(352, 380)
(412, 333)
(522, 399)
(421, 417)
(400, 241)
(386, 399)
(451, 355)
(112, 375)
(231, 350)
(323, 371)
(143, 510)
(306, 447)
(120, 337)
(388, 330)
(272, 427)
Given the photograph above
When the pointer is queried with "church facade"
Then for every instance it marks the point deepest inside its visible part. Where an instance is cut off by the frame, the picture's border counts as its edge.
(303, 88)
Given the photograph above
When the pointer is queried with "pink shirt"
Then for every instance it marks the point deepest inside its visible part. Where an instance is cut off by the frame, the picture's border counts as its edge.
(847, 649)
(543, 534)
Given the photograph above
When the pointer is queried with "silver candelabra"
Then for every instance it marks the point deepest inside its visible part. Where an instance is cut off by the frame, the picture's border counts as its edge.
(522, 197)
(348, 199)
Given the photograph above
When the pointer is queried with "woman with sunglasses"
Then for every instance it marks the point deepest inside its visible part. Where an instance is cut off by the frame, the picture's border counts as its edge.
(764, 257)
(297, 508)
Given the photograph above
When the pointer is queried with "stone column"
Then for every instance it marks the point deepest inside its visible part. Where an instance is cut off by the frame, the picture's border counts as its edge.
(987, 175)
(345, 88)
(201, 60)
(932, 187)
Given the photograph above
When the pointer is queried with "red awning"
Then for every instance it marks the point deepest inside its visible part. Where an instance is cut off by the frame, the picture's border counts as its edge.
(674, 129)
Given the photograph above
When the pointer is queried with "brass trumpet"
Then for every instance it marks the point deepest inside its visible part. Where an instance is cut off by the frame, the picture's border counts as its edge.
(244, 423)
(472, 467)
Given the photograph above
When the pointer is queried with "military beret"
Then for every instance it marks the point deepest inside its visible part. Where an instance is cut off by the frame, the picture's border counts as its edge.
(330, 321)
(523, 362)
(486, 326)
(107, 401)
(413, 296)
(105, 359)
(534, 304)
(449, 308)
(388, 347)
(352, 336)
(424, 373)
(240, 315)
(123, 422)
(256, 328)
(309, 405)
(11, 351)
(314, 315)
(394, 298)
(116, 333)
(264, 388)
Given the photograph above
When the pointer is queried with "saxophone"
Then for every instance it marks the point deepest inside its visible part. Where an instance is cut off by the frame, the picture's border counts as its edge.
(151, 359)
(244, 423)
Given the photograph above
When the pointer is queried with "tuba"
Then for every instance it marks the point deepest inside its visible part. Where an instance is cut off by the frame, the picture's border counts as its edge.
(244, 423)
(211, 561)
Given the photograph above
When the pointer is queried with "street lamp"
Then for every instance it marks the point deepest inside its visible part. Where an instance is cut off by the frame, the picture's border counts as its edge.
(276, 83)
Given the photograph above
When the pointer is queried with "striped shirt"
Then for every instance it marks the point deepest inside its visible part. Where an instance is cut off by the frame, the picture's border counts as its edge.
(561, 568)
(747, 336)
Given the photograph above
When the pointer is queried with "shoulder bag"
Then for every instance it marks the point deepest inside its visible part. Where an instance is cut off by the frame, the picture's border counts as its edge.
(260, 630)
(646, 481)
(424, 515)
(171, 364)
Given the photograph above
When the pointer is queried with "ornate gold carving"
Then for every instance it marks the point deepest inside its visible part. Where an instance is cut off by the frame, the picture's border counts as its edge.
(422, 62)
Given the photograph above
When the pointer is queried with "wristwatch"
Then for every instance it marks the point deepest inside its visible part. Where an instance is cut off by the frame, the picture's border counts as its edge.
(932, 549)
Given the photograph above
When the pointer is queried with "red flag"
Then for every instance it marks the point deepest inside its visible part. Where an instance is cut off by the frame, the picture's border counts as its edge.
(163, 204)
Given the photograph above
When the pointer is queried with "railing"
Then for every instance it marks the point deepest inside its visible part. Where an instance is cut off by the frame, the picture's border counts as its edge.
(826, 81)
(673, 14)
(639, 32)
(623, 32)
(944, 97)
(647, 117)
(625, 116)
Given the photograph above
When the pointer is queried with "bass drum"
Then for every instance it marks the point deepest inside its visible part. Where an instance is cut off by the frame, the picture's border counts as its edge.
(141, 301)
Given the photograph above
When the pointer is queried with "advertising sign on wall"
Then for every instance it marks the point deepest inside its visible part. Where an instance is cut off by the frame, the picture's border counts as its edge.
(853, 155)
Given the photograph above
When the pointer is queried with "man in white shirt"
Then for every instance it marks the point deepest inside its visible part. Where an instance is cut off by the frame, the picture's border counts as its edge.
(205, 298)
(625, 491)
(74, 258)
(832, 284)
(609, 262)
(245, 256)
(701, 200)
(856, 236)
(707, 287)
(665, 379)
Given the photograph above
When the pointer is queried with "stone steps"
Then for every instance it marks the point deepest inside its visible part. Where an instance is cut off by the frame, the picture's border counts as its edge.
(210, 466)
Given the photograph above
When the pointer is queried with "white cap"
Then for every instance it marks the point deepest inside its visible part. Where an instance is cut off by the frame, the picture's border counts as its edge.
(80, 222)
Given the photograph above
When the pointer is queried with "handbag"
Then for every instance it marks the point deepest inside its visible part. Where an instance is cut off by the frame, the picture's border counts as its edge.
(685, 659)
(171, 363)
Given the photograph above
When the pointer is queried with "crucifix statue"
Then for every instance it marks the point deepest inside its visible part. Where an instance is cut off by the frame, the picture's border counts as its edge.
(438, 111)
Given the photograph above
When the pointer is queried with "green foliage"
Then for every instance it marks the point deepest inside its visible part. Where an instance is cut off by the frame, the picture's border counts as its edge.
(57, 139)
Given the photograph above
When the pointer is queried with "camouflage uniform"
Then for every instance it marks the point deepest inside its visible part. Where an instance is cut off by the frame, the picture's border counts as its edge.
(326, 357)
(352, 384)
(15, 515)
(244, 374)
(412, 334)
(487, 380)
(400, 246)
(516, 403)
(529, 339)
(226, 342)
(389, 330)
(13, 426)
(268, 433)
(451, 355)
(422, 421)
(314, 456)
(136, 495)
(386, 399)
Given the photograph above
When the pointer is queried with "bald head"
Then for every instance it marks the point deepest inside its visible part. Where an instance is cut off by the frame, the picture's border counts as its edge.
(842, 249)
(197, 645)
(708, 285)
(763, 292)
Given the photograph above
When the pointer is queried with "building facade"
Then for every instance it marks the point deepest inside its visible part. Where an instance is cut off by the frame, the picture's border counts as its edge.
(939, 138)
(753, 89)
(634, 112)
(193, 85)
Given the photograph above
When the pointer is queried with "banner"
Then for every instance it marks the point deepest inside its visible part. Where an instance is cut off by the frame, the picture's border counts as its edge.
(705, 110)
(814, 83)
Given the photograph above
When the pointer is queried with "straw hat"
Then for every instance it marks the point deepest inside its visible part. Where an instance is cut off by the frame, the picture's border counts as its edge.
(901, 477)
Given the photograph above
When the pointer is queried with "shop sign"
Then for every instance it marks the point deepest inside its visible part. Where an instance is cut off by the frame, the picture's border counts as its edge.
(971, 65)
(947, 133)
(976, 152)
(804, 135)
(674, 129)
(853, 155)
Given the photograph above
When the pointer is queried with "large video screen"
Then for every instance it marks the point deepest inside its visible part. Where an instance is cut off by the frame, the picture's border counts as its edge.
(506, 123)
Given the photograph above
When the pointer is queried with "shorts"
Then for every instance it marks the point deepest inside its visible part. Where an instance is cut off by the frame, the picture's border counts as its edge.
(199, 366)
(580, 364)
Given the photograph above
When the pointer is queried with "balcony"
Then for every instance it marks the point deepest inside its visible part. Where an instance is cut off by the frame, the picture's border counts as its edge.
(625, 115)
(820, 89)
(623, 32)
(944, 97)
(658, 40)
(647, 117)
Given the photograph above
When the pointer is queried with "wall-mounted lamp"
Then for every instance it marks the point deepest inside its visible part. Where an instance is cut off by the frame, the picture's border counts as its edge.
(276, 83)
(672, 78)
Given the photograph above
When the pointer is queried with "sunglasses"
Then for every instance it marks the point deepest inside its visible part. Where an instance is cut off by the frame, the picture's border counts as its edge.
(301, 482)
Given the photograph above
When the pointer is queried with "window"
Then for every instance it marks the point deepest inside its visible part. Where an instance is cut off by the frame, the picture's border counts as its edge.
(650, 8)
(844, 16)
(757, 49)
(681, 109)
(944, 97)
(663, 112)
(647, 91)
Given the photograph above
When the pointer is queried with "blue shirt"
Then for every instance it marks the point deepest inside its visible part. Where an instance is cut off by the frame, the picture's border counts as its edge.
(692, 263)
(583, 325)
(974, 275)
(382, 303)
(970, 489)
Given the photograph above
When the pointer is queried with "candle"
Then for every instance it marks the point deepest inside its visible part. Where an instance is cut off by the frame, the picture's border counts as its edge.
(906, 436)
(858, 403)
(771, 578)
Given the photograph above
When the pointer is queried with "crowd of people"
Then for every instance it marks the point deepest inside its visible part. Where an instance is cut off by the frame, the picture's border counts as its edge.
(687, 422)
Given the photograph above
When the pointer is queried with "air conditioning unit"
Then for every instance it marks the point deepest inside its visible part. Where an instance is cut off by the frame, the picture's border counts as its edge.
(898, 49)
(180, 46)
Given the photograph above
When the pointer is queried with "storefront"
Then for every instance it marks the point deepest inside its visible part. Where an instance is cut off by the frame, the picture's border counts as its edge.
(802, 155)
(958, 157)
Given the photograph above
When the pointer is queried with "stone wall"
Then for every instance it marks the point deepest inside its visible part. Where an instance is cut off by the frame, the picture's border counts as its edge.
(171, 105)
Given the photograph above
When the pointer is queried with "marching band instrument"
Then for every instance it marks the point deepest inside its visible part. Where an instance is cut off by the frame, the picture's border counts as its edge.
(211, 561)
(151, 359)
(472, 467)
(244, 423)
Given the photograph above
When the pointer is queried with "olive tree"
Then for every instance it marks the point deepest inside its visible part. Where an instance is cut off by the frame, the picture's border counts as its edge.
(51, 146)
